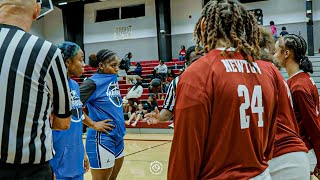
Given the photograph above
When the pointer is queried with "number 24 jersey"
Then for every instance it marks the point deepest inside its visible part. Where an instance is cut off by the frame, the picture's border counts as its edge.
(225, 119)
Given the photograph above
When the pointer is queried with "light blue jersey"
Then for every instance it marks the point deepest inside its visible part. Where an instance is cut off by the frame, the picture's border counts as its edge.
(67, 162)
(104, 102)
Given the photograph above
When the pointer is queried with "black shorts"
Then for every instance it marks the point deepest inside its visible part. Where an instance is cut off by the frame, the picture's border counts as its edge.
(26, 171)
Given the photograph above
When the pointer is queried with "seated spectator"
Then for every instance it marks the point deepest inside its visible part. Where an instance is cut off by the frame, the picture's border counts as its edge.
(137, 71)
(129, 105)
(182, 53)
(132, 79)
(156, 87)
(284, 31)
(135, 92)
(138, 115)
(161, 70)
(151, 104)
(169, 78)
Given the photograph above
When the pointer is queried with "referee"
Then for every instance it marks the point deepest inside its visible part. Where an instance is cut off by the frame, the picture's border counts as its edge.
(167, 112)
(33, 84)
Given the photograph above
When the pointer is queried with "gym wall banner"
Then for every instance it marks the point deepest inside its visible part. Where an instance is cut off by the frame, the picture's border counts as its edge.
(46, 7)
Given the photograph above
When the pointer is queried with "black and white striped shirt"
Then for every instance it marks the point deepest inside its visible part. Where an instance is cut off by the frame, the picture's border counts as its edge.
(171, 95)
(33, 84)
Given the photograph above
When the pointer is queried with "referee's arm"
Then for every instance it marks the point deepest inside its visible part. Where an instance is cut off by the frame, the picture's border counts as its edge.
(61, 115)
(167, 112)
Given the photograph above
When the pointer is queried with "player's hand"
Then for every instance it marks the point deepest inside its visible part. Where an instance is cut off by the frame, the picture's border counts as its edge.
(86, 163)
(103, 126)
(153, 117)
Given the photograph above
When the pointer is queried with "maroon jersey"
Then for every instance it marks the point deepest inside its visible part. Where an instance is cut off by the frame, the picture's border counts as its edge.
(306, 107)
(287, 136)
(225, 119)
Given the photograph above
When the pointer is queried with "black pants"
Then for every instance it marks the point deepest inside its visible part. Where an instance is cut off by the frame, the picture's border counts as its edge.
(26, 171)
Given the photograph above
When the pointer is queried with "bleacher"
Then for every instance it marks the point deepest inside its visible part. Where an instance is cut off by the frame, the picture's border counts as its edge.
(147, 68)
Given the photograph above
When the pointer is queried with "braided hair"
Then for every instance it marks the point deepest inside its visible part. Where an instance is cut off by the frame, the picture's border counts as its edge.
(103, 56)
(68, 50)
(228, 19)
(298, 46)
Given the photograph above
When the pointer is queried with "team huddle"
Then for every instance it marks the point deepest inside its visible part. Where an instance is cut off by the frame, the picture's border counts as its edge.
(235, 116)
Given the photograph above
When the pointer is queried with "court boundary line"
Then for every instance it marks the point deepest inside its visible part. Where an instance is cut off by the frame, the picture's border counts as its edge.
(147, 149)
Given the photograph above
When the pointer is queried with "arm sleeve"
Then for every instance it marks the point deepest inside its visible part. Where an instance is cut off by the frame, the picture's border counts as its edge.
(170, 98)
(191, 118)
(87, 88)
(309, 118)
(60, 88)
(140, 91)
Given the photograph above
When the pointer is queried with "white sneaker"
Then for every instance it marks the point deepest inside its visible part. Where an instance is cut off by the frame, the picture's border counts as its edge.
(171, 126)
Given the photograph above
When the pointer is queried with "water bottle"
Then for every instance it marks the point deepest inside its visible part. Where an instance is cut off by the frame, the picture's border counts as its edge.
(175, 66)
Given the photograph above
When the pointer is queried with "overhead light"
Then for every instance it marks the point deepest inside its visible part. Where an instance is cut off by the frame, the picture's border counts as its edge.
(62, 3)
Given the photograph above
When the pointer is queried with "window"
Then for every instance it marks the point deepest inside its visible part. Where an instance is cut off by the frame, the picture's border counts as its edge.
(107, 15)
(133, 11)
(126, 12)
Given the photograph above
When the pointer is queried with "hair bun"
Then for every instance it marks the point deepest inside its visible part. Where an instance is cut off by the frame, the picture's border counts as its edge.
(305, 64)
(93, 61)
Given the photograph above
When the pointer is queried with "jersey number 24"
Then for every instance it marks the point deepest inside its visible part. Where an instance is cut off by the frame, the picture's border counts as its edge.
(255, 103)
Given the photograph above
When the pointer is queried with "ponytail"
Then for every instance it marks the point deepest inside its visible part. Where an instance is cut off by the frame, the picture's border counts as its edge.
(93, 62)
(102, 56)
(306, 65)
(299, 47)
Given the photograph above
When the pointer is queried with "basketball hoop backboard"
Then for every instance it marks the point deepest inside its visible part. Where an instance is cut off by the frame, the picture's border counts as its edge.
(46, 7)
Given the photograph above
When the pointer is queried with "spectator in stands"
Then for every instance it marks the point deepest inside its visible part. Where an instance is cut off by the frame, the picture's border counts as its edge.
(101, 94)
(132, 79)
(129, 106)
(126, 62)
(156, 87)
(137, 116)
(136, 91)
(137, 70)
(291, 53)
(167, 112)
(284, 31)
(182, 53)
(161, 70)
(170, 77)
(132, 96)
(273, 30)
(151, 104)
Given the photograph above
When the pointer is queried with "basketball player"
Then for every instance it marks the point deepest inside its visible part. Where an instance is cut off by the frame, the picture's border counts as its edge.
(70, 160)
(289, 160)
(101, 94)
(291, 54)
(226, 105)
